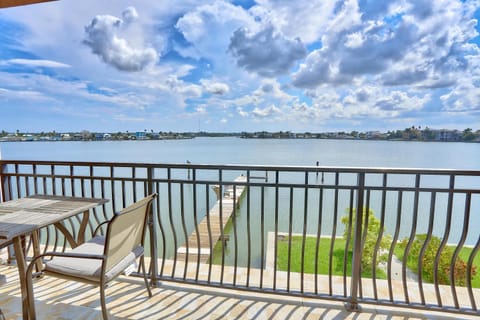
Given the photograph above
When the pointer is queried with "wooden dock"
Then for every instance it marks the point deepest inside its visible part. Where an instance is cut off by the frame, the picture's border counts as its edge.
(214, 223)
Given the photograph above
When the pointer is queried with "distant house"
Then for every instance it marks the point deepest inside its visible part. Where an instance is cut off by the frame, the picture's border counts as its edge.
(448, 135)
(373, 134)
(140, 135)
(28, 137)
(305, 135)
(155, 135)
(11, 137)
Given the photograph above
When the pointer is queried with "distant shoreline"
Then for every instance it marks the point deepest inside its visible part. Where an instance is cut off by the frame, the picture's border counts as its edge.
(230, 136)
(408, 134)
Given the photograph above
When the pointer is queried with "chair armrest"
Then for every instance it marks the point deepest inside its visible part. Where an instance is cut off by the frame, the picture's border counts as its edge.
(72, 255)
(99, 226)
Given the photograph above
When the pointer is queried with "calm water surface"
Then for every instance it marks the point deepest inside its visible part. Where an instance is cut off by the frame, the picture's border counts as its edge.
(398, 154)
(393, 154)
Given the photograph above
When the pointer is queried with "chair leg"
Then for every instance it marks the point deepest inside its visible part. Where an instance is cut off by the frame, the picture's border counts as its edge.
(29, 285)
(142, 263)
(36, 249)
(30, 297)
(102, 301)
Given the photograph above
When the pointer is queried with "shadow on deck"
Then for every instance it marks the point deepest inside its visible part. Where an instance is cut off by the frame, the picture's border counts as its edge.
(127, 299)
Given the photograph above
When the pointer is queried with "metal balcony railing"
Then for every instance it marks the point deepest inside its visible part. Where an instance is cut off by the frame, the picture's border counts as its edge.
(401, 237)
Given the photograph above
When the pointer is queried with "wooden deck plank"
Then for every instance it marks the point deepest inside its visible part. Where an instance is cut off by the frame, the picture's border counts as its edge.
(210, 229)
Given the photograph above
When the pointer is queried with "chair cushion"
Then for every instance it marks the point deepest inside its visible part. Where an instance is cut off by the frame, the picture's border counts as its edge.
(87, 268)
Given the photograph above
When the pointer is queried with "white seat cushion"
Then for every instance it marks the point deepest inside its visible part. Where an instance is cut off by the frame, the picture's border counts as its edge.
(87, 268)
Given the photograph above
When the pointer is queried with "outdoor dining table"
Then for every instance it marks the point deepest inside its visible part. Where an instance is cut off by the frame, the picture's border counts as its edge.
(25, 216)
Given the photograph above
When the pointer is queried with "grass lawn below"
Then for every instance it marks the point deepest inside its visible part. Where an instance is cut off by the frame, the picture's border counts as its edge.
(323, 257)
(338, 257)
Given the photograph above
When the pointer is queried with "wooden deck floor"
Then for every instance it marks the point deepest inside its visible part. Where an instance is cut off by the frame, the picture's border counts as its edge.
(127, 299)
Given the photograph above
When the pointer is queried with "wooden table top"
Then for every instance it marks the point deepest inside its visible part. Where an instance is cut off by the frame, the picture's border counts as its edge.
(24, 215)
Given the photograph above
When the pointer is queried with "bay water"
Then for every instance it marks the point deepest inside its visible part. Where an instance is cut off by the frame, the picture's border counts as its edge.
(302, 152)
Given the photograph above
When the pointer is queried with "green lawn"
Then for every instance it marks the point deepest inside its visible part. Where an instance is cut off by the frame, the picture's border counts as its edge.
(338, 257)
(323, 256)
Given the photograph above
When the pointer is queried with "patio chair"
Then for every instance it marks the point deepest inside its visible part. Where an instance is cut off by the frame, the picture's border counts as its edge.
(103, 258)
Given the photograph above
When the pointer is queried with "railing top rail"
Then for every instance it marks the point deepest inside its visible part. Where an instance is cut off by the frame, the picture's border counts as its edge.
(290, 168)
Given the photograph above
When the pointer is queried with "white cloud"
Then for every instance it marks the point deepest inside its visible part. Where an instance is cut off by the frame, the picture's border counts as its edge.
(35, 63)
(129, 15)
(266, 52)
(217, 88)
(366, 60)
(241, 112)
(266, 112)
(316, 70)
(167, 94)
(22, 95)
(306, 20)
(354, 40)
(376, 103)
(465, 96)
(270, 89)
(347, 16)
(208, 29)
(47, 87)
(421, 43)
(264, 100)
(103, 36)
(395, 102)
(246, 100)
(365, 102)
(185, 89)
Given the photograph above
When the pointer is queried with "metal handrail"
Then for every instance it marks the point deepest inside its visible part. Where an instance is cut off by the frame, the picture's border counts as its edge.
(244, 229)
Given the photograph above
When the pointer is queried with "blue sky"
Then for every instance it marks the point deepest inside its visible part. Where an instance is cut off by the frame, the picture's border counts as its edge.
(240, 66)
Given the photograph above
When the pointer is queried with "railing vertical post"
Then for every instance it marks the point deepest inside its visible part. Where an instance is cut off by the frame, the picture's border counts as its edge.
(352, 303)
(4, 186)
(152, 222)
(3, 278)
(5, 195)
(2, 179)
